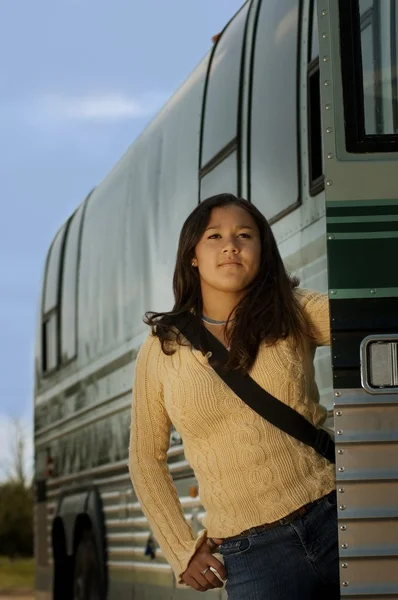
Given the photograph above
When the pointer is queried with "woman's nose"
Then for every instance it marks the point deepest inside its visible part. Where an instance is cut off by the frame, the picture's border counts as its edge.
(231, 245)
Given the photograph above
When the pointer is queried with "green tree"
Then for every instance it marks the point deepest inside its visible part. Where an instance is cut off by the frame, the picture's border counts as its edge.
(16, 519)
(16, 498)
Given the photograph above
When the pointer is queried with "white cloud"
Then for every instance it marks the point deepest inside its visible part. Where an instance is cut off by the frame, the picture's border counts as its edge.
(7, 439)
(106, 107)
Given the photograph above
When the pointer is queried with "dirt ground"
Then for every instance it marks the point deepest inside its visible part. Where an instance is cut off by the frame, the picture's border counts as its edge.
(17, 597)
(14, 597)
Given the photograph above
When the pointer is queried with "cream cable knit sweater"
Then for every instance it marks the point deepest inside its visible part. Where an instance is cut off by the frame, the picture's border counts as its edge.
(249, 472)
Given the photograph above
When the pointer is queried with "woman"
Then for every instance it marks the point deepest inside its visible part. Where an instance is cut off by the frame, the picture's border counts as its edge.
(269, 499)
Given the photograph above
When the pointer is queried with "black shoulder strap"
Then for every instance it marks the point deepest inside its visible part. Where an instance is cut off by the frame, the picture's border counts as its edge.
(267, 406)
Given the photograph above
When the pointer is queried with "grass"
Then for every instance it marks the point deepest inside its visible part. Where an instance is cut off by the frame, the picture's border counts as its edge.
(16, 574)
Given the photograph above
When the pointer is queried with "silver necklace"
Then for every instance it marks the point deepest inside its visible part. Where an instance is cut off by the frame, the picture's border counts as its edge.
(213, 321)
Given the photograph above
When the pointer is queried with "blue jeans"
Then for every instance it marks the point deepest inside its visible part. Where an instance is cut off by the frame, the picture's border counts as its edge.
(298, 561)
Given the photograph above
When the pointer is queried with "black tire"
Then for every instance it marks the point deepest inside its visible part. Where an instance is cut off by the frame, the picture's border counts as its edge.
(87, 580)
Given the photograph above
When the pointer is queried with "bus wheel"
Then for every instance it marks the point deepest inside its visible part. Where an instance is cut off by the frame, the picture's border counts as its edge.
(87, 571)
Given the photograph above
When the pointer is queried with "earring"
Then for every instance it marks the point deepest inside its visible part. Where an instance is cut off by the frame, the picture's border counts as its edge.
(193, 264)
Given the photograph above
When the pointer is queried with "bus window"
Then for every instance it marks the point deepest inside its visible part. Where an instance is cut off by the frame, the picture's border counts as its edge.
(315, 154)
(50, 309)
(222, 94)
(52, 273)
(50, 342)
(369, 70)
(222, 178)
(314, 48)
(379, 65)
(368, 73)
(273, 127)
(69, 288)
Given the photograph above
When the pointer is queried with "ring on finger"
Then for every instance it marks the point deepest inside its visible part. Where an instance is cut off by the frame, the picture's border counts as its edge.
(205, 571)
(216, 573)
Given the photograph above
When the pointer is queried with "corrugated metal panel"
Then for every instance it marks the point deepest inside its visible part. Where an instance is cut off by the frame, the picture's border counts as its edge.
(367, 484)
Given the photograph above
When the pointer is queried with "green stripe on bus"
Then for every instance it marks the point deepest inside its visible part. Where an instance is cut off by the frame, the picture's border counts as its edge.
(364, 293)
(362, 262)
(363, 235)
(356, 203)
(376, 228)
(364, 219)
(359, 211)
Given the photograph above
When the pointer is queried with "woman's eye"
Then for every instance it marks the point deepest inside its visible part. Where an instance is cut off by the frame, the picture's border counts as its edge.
(216, 236)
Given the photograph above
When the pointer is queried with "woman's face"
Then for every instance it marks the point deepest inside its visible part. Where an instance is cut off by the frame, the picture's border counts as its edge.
(229, 251)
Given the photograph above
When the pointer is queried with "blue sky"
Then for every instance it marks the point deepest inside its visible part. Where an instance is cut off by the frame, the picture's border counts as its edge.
(79, 80)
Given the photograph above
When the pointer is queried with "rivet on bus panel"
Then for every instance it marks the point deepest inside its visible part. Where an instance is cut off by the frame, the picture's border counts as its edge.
(342, 507)
(324, 12)
(326, 58)
(332, 292)
(330, 155)
(341, 451)
(329, 183)
(325, 35)
(328, 106)
(344, 565)
(326, 83)
(374, 291)
(343, 528)
(341, 490)
(337, 394)
(344, 546)
(338, 413)
(340, 432)
(341, 469)
(345, 583)
(329, 130)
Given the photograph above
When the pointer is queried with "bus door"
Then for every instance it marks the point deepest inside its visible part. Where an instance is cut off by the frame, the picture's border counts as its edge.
(358, 77)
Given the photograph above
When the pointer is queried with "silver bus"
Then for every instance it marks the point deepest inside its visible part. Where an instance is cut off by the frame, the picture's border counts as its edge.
(294, 108)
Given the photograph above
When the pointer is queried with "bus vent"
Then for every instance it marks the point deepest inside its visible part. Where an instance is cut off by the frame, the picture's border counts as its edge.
(379, 364)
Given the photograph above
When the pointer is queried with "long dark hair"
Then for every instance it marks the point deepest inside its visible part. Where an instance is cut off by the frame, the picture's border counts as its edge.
(269, 310)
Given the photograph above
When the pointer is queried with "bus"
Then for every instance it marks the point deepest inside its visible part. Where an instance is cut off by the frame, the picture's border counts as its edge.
(294, 108)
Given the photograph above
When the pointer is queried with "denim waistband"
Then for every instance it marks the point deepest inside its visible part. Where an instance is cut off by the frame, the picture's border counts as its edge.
(296, 514)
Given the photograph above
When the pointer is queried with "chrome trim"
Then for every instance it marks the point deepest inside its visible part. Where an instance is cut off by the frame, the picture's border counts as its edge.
(115, 408)
(175, 450)
(394, 359)
(57, 481)
(360, 397)
(112, 495)
(186, 502)
(132, 347)
(80, 413)
(124, 524)
(140, 566)
(117, 480)
(122, 464)
(365, 375)
(138, 522)
(114, 509)
(127, 537)
(135, 551)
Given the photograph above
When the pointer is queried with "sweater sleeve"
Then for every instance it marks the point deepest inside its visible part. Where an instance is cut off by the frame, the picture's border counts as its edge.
(149, 442)
(315, 307)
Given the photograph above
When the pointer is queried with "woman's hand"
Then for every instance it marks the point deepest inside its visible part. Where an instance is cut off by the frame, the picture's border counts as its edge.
(198, 574)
